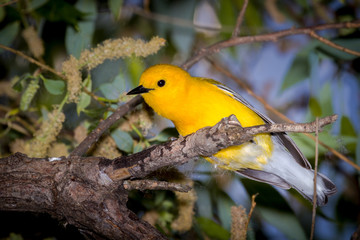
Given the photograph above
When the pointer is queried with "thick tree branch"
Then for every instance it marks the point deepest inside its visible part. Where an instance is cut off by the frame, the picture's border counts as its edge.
(73, 190)
(205, 142)
(89, 192)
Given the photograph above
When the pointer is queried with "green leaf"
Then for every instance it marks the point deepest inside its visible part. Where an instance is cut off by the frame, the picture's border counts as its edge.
(350, 143)
(329, 139)
(300, 68)
(224, 204)
(135, 67)
(287, 223)
(268, 196)
(8, 34)
(165, 135)
(212, 229)
(347, 128)
(55, 87)
(203, 203)
(95, 112)
(253, 17)
(348, 134)
(78, 40)
(138, 148)
(227, 15)
(307, 145)
(299, 71)
(325, 100)
(85, 99)
(2, 13)
(15, 236)
(303, 3)
(357, 151)
(352, 44)
(159, 198)
(60, 11)
(115, 8)
(114, 89)
(315, 107)
(182, 38)
(18, 83)
(36, 4)
(123, 140)
(108, 91)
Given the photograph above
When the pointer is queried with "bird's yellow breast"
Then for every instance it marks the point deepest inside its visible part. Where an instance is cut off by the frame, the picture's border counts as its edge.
(192, 103)
(205, 105)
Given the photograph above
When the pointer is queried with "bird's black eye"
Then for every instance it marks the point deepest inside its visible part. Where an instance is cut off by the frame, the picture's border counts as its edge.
(161, 83)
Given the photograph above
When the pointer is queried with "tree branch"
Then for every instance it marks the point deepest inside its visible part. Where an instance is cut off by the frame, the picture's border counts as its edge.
(90, 194)
(154, 185)
(240, 19)
(334, 45)
(94, 136)
(74, 190)
(32, 60)
(274, 36)
(243, 84)
(315, 180)
(205, 142)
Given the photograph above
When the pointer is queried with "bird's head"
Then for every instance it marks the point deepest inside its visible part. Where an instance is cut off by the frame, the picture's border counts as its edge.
(162, 86)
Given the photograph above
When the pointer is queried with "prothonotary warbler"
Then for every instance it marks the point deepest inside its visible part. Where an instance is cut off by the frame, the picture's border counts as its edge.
(192, 103)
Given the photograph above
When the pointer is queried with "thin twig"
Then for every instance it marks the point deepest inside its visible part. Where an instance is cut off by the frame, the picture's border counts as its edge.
(32, 60)
(279, 114)
(332, 44)
(253, 204)
(315, 176)
(47, 68)
(267, 37)
(246, 87)
(8, 3)
(93, 137)
(176, 21)
(91, 94)
(154, 185)
(240, 19)
(335, 152)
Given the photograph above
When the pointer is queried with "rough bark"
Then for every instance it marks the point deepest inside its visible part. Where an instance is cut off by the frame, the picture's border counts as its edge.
(73, 190)
(88, 192)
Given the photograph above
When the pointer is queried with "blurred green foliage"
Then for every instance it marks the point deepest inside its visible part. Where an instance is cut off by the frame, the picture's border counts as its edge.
(323, 80)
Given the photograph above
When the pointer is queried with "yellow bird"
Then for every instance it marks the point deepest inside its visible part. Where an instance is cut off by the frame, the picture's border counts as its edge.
(192, 103)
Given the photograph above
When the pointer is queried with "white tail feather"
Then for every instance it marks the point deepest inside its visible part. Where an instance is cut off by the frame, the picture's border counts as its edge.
(284, 165)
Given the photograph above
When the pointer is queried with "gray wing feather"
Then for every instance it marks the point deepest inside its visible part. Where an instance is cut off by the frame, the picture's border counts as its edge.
(265, 177)
(286, 141)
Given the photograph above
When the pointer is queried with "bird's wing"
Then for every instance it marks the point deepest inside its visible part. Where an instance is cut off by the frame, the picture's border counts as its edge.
(286, 141)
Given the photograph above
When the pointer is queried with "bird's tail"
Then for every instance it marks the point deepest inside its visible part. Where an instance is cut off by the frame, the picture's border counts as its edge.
(303, 183)
(284, 171)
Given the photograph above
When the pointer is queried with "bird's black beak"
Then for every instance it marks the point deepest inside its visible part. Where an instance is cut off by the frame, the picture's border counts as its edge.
(138, 90)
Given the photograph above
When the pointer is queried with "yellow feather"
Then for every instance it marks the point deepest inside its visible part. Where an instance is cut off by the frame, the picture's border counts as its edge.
(192, 103)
